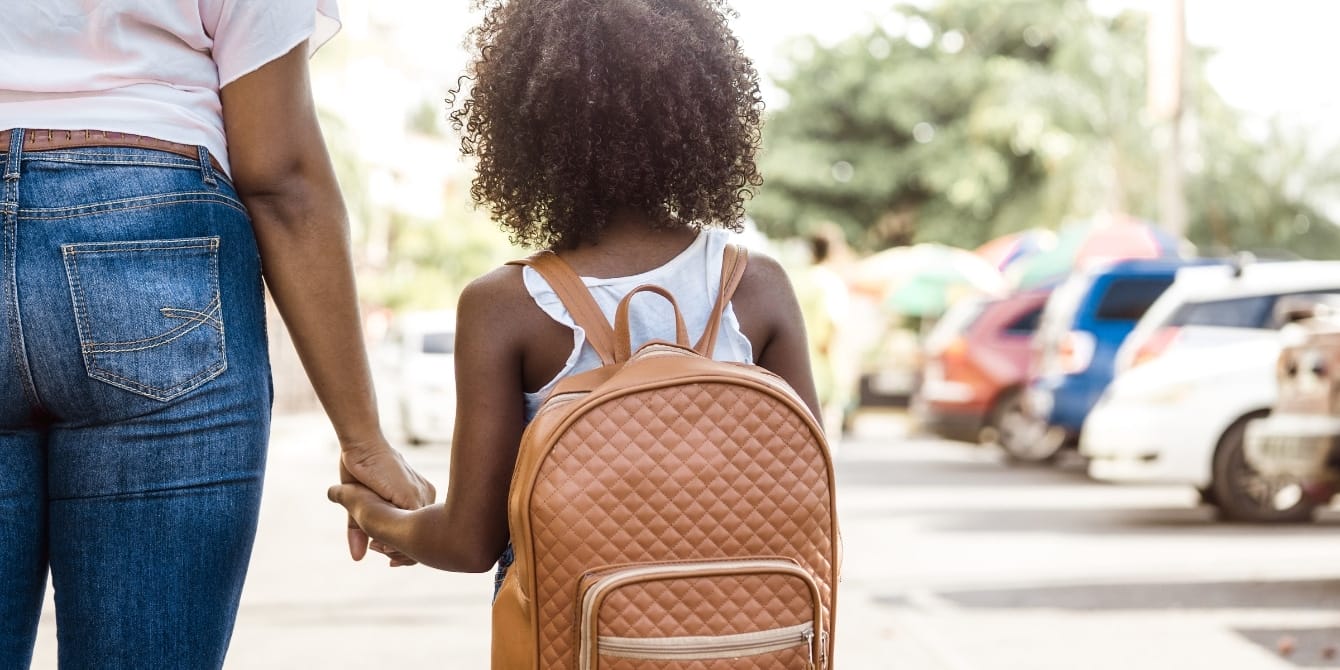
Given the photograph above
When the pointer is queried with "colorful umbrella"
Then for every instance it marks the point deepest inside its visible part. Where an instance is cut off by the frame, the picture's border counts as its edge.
(923, 280)
(1092, 242)
(1007, 250)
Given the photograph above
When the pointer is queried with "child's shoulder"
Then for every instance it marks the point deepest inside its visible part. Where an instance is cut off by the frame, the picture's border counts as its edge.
(498, 318)
(497, 296)
(499, 281)
(764, 272)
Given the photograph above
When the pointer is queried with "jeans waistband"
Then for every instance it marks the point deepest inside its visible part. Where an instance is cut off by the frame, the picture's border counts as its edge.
(51, 140)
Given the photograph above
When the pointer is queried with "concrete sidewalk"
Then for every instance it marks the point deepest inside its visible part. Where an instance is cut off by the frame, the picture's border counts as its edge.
(952, 561)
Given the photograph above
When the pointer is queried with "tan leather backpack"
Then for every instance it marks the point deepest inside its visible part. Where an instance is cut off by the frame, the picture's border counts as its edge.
(668, 511)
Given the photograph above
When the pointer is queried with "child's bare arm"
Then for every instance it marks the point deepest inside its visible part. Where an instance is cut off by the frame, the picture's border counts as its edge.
(770, 317)
(468, 531)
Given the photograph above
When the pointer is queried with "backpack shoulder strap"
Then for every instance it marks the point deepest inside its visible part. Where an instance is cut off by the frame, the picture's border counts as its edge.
(733, 262)
(576, 298)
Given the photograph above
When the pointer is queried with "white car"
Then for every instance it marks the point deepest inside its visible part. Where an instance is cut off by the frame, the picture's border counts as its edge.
(1198, 368)
(1220, 304)
(421, 346)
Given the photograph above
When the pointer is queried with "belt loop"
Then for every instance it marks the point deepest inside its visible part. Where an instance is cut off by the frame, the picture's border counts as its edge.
(15, 154)
(206, 168)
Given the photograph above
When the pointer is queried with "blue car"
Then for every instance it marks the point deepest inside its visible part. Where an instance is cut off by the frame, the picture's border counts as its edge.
(1085, 321)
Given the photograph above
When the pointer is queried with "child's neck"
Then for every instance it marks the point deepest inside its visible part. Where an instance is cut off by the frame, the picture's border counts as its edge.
(629, 244)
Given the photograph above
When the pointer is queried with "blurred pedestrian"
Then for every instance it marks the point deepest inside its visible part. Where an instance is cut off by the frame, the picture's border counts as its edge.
(630, 182)
(156, 158)
(826, 304)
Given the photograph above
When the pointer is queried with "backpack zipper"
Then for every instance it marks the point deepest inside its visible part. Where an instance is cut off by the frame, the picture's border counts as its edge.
(693, 648)
(707, 648)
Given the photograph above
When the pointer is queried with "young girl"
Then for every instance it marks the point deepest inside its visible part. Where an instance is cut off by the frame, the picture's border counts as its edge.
(621, 135)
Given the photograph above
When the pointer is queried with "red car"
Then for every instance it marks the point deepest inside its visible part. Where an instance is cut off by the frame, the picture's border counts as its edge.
(976, 364)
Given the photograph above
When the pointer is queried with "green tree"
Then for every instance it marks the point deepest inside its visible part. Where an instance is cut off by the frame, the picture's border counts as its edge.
(950, 124)
(965, 120)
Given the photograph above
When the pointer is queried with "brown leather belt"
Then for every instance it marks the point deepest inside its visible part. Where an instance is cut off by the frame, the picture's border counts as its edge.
(51, 140)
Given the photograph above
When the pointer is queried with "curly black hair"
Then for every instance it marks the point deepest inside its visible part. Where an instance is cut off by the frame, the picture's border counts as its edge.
(579, 108)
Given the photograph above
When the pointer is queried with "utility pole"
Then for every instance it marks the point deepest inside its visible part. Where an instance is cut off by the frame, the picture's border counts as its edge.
(1165, 101)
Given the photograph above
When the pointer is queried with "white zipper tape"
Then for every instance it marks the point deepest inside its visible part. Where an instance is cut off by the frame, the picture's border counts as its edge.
(702, 648)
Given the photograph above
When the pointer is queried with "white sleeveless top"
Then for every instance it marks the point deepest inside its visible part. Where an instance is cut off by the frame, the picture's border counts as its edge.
(693, 277)
(143, 67)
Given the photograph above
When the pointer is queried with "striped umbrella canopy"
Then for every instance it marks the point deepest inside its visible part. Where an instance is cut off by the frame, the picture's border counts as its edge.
(1007, 250)
(1097, 241)
(923, 280)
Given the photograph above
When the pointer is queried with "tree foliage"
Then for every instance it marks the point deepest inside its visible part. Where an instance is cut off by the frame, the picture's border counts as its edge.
(964, 120)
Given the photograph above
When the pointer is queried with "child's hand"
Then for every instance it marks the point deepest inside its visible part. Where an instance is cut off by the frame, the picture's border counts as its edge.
(375, 516)
(398, 558)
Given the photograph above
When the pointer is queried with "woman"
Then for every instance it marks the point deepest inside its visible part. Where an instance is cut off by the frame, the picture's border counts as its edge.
(157, 156)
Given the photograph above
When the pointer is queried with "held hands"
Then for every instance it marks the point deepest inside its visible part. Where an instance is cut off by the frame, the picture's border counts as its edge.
(377, 485)
(371, 515)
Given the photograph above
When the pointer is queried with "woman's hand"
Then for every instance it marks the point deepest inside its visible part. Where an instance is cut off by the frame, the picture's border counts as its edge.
(382, 471)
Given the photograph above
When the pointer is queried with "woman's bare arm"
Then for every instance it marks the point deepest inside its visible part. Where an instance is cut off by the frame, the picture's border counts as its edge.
(284, 176)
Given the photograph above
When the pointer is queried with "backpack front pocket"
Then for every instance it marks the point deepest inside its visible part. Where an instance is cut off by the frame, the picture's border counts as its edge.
(149, 314)
(703, 615)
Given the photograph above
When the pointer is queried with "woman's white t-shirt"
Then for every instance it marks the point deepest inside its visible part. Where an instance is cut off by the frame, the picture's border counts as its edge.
(144, 67)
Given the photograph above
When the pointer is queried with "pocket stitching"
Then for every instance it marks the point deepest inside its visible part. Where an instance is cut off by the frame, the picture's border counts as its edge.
(193, 316)
(158, 340)
(165, 200)
(162, 394)
(80, 303)
(110, 247)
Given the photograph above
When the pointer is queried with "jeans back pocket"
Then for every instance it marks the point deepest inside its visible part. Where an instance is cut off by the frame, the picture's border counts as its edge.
(149, 314)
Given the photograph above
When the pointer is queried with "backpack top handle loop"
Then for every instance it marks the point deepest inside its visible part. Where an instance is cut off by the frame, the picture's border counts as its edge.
(574, 295)
(623, 337)
(733, 262)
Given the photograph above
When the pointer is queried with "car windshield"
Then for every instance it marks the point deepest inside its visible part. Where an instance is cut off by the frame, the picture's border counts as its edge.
(1251, 312)
(1128, 299)
(1059, 314)
(1026, 324)
(955, 322)
(1256, 312)
(438, 343)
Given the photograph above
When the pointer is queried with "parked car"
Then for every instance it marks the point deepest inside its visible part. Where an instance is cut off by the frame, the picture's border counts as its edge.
(1221, 304)
(421, 346)
(976, 363)
(1086, 319)
(1203, 371)
(1300, 440)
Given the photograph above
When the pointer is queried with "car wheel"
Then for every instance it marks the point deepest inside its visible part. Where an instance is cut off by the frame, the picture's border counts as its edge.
(1243, 494)
(1008, 403)
(1023, 437)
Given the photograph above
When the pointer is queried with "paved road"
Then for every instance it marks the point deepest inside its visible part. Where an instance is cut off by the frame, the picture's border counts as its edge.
(983, 566)
(954, 561)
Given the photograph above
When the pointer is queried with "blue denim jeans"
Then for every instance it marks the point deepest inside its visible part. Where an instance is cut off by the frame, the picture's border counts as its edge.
(134, 405)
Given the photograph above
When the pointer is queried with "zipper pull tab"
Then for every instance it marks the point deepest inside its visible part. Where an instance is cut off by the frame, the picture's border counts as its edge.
(809, 646)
